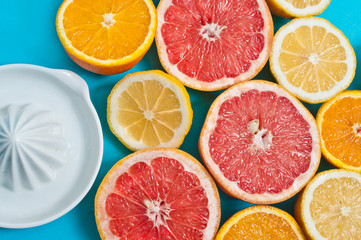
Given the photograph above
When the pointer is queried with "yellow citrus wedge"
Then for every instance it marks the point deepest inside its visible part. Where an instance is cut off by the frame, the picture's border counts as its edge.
(261, 222)
(149, 109)
(312, 59)
(339, 121)
(297, 8)
(330, 206)
(106, 37)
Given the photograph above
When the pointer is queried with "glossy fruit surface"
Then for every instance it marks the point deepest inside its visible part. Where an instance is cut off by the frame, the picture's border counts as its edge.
(211, 45)
(106, 37)
(157, 194)
(260, 143)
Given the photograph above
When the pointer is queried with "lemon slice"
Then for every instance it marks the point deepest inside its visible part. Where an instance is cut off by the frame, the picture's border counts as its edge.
(297, 8)
(312, 59)
(149, 109)
(330, 206)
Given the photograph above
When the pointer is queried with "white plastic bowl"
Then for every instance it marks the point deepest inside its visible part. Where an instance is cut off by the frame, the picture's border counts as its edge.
(36, 189)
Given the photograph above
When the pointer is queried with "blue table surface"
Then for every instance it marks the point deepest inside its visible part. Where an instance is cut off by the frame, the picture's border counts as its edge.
(28, 35)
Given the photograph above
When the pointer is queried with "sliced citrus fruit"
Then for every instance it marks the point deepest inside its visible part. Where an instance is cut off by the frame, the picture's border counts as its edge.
(157, 194)
(297, 8)
(261, 222)
(312, 59)
(260, 143)
(339, 122)
(106, 37)
(330, 206)
(149, 109)
(211, 45)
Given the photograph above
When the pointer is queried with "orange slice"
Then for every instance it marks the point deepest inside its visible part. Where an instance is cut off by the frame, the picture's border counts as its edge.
(330, 206)
(157, 194)
(106, 37)
(339, 121)
(297, 8)
(149, 109)
(261, 222)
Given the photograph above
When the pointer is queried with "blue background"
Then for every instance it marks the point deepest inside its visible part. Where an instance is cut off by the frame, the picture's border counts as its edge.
(28, 35)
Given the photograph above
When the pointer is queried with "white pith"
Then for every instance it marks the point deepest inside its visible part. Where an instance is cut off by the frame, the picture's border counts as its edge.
(307, 11)
(156, 212)
(148, 115)
(281, 77)
(108, 20)
(308, 196)
(314, 58)
(262, 137)
(179, 133)
(231, 186)
(225, 81)
(357, 129)
(211, 32)
(146, 156)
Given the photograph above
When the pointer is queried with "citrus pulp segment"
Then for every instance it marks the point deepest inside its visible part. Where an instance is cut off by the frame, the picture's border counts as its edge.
(211, 45)
(330, 206)
(106, 37)
(157, 194)
(260, 143)
(297, 8)
(261, 222)
(339, 122)
(149, 109)
(312, 59)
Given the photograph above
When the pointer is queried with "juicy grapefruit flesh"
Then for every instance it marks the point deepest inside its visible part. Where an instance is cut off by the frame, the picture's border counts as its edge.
(214, 39)
(157, 201)
(261, 142)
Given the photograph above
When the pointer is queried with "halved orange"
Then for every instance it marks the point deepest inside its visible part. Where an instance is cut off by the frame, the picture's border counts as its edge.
(339, 121)
(106, 37)
(261, 222)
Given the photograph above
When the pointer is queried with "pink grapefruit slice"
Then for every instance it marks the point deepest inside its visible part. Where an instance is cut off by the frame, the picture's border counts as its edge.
(260, 143)
(155, 194)
(211, 45)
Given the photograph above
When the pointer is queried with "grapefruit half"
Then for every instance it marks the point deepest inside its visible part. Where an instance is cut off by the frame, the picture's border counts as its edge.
(260, 143)
(211, 45)
(159, 193)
